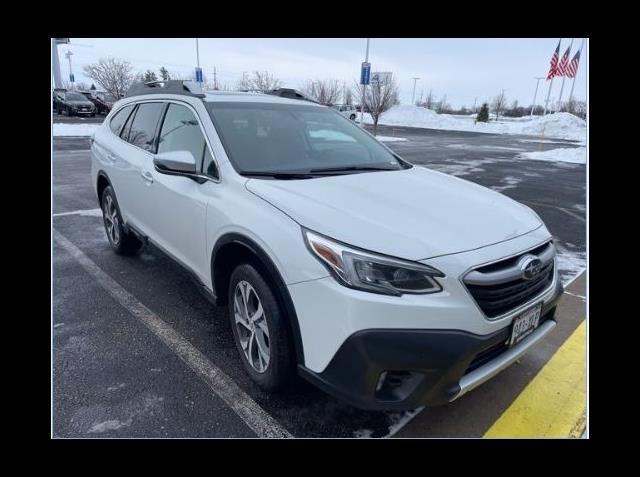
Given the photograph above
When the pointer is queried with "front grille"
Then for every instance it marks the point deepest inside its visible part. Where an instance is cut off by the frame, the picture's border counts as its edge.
(497, 299)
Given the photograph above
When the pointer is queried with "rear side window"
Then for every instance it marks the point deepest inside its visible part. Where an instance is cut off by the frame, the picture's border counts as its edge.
(119, 118)
(181, 132)
(144, 126)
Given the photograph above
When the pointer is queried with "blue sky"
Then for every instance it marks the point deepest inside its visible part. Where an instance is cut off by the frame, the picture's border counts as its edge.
(463, 69)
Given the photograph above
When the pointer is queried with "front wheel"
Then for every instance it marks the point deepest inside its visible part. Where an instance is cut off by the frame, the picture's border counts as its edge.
(260, 329)
(121, 242)
(352, 117)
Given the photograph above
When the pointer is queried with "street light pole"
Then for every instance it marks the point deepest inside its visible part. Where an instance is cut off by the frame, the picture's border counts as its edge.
(537, 78)
(197, 54)
(364, 86)
(198, 62)
(413, 96)
(71, 78)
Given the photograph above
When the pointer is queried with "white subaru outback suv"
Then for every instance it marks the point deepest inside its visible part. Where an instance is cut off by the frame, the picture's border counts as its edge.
(387, 285)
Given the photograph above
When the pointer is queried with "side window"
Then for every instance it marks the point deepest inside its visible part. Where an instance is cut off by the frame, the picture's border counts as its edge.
(124, 133)
(144, 126)
(119, 118)
(181, 132)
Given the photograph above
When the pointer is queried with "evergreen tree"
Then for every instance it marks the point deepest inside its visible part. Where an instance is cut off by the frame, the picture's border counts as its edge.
(483, 115)
(150, 76)
(93, 86)
(164, 74)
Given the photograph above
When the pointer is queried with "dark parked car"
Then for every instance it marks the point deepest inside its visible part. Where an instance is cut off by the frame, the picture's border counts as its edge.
(74, 103)
(103, 103)
(56, 98)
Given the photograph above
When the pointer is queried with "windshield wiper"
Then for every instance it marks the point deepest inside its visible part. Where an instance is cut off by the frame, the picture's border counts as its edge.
(279, 175)
(351, 168)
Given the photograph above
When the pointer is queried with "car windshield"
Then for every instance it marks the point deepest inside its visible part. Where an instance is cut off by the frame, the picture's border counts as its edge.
(75, 97)
(269, 138)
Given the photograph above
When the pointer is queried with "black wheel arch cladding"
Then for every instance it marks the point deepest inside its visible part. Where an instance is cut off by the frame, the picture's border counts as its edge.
(244, 249)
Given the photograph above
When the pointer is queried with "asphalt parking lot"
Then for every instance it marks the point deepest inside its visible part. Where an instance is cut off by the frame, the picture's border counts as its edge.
(112, 377)
(63, 118)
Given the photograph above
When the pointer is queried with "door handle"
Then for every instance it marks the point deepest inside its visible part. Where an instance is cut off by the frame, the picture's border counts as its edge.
(146, 175)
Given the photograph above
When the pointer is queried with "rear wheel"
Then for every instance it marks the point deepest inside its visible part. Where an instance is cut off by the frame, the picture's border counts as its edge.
(259, 328)
(121, 242)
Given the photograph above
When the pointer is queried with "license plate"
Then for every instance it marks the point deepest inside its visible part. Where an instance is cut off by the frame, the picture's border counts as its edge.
(525, 324)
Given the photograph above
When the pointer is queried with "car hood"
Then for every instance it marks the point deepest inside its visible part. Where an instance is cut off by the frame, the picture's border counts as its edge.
(80, 103)
(414, 213)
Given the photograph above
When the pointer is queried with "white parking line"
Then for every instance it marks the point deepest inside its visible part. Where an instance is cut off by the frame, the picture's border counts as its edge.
(87, 212)
(222, 385)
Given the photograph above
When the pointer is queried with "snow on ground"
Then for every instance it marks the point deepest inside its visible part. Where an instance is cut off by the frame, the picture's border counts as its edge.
(390, 138)
(557, 125)
(571, 263)
(64, 129)
(508, 182)
(397, 422)
(575, 155)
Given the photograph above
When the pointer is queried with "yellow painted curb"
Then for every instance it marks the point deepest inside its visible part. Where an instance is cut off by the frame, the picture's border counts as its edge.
(554, 403)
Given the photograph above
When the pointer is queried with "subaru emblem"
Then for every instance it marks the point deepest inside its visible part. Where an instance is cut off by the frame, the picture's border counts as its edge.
(530, 265)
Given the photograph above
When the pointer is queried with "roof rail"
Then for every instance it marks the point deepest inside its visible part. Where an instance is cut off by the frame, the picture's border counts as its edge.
(290, 93)
(185, 88)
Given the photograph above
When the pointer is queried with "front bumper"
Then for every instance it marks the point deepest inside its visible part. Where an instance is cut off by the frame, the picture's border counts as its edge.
(423, 367)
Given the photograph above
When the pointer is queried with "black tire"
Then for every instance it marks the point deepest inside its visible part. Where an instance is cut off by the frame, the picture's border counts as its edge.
(69, 112)
(121, 242)
(352, 117)
(281, 365)
(93, 115)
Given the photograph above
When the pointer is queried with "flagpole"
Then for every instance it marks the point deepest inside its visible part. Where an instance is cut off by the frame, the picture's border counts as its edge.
(551, 84)
(564, 76)
(574, 76)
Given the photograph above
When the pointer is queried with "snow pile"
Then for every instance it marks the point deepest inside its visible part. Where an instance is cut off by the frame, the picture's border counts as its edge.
(557, 125)
(575, 155)
(390, 138)
(63, 129)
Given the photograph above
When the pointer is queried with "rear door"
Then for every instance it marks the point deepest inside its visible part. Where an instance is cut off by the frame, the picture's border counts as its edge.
(135, 155)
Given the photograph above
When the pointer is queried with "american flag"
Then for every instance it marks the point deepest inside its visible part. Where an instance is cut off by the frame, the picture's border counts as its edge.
(572, 68)
(553, 70)
(564, 62)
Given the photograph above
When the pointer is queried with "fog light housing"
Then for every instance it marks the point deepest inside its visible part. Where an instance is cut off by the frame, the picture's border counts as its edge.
(397, 385)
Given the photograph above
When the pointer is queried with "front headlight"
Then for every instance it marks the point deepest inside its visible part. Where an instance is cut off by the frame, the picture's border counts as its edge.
(372, 272)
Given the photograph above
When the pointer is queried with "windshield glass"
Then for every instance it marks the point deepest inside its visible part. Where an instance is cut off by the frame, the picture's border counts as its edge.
(284, 138)
(75, 97)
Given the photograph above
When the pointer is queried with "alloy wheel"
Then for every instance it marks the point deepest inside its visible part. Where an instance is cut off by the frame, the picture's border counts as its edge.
(251, 325)
(110, 213)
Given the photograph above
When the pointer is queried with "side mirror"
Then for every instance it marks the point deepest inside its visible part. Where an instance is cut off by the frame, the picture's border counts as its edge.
(175, 162)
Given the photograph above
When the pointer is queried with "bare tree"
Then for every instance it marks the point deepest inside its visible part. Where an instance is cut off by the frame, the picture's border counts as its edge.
(323, 91)
(260, 81)
(498, 104)
(379, 97)
(348, 96)
(428, 102)
(114, 75)
(82, 86)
